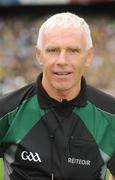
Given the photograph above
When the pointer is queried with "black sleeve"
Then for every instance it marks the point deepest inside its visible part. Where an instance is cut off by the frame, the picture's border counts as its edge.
(1, 155)
(111, 166)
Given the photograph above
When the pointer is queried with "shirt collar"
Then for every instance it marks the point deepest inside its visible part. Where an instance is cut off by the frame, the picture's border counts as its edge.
(46, 101)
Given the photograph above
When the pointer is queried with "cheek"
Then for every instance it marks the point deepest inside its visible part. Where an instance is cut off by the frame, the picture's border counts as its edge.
(47, 61)
(79, 69)
(78, 65)
(47, 65)
(80, 62)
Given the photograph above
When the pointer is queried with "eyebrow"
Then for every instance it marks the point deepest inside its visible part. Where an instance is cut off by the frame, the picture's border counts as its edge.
(68, 47)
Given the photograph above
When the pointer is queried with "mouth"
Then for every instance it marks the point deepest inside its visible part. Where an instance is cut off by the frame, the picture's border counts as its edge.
(66, 73)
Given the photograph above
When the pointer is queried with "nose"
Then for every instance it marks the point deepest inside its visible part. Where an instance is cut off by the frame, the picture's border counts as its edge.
(62, 58)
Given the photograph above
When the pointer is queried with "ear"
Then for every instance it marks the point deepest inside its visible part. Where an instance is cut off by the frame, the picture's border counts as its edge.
(38, 55)
(90, 54)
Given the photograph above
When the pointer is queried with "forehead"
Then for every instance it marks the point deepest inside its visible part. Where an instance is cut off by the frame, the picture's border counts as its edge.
(64, 35)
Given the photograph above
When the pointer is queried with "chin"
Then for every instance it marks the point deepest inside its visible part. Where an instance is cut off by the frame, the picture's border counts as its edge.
(62, 88)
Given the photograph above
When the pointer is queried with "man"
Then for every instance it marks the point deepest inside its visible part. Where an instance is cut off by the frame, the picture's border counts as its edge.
(59, 127)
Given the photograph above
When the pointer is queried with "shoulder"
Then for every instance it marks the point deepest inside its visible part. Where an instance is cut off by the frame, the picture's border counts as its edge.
(10, 101)
(101, 99)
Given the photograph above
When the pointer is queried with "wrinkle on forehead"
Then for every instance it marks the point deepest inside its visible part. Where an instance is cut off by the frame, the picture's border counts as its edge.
(65, 37)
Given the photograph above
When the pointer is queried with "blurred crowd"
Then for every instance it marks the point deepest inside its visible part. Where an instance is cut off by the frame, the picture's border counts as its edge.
(18, 65)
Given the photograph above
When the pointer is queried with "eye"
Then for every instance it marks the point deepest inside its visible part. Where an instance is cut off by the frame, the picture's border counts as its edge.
(74, 50)
(52, 50)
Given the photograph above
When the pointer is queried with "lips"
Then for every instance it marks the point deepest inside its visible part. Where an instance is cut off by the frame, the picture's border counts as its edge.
(62, 73)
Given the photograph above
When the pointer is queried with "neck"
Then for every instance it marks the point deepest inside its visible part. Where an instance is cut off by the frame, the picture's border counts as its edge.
(59, 95)
(67, 94)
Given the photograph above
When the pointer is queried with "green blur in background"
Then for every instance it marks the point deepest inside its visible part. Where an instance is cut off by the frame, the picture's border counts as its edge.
(1, 170)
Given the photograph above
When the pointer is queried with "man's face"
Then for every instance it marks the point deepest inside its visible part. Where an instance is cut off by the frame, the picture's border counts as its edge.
(64, 58)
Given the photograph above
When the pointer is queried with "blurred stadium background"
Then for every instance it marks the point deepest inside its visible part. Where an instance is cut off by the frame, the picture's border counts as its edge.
(19, 24)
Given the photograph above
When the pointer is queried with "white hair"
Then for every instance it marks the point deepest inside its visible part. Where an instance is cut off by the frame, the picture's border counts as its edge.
(65, 19)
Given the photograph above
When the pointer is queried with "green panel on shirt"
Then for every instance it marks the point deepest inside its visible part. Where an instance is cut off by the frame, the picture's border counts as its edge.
(22, 119)
(101, 125)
